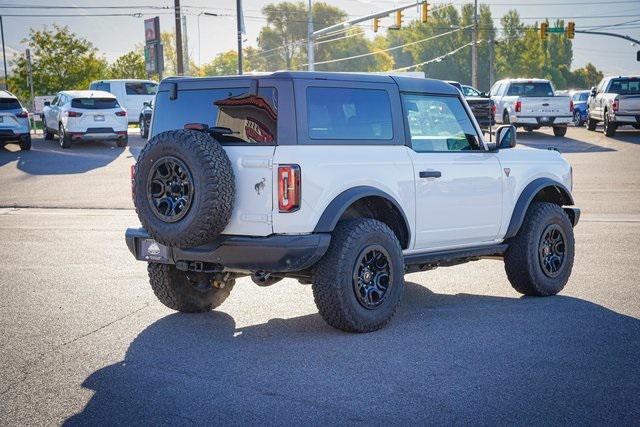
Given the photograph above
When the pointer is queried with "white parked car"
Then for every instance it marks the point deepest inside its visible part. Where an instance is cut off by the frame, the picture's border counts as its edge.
(85, 115)
(531, 104)
(132, 94)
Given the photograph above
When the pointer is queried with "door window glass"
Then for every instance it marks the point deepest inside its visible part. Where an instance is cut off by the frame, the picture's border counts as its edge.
(439, 123)
(344, 113)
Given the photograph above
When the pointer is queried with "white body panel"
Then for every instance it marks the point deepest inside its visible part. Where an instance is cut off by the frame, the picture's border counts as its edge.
(133, 103)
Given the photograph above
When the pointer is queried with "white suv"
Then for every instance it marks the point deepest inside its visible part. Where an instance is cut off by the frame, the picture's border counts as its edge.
(131, 94)
(343, 181)
(85, 115)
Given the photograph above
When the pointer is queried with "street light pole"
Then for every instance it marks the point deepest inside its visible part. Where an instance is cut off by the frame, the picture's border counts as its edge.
(239, 25)
(474, 47)
(179, 59)
(310, 52)
(4, 56)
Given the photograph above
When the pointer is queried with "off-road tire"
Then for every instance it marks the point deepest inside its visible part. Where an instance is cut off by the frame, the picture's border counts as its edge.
(591, 124)
(122, 142)
(213, 184)
(559, 130)
(609, 128)
(25, 143)
(521, 260)
(333, 288)
(173, 289)
(64, 139)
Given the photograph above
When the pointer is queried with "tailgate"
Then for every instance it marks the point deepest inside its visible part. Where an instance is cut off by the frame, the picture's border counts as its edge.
(253, 170)
(629, 104)
(545, 106)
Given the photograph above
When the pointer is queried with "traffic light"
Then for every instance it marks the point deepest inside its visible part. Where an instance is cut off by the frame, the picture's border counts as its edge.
(398, 19)
(571, 30)
(376, 24)
(543, 30)
(424, 12)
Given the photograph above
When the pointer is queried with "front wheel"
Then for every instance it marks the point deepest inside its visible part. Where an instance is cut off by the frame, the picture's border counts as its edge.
(609, 128)
(123, 142)
(359, 283)
(560, 130)
(144, 131)
(591, 124)
(178, 291)
(577, 120)
(540, 257)
(25, 142)
(63, 138)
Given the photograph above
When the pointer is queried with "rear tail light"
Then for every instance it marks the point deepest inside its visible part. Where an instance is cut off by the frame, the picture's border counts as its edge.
(73, 114)
(571, 105)
(615, 105)
(133, 181)
(493, 109)
(121, 113)
(22, 115)
(518, 106)
(289, 188)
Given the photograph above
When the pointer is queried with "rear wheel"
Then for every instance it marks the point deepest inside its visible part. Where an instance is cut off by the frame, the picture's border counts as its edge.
(48, 135)
(540, 257)
(528, 128)
(359, 283)
(559, 130)
(25, 142)
(505, 118)
(577, 120)
(122, 142)
(63, 138)
(144, 131)
(179, 291)
(609, 128)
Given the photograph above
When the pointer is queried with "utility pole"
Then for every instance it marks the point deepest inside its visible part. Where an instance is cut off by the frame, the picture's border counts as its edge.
(474, 46)
(491, 65)
(30, 77)
(4, 56)
(185, 44)
(179, 59)
(239, 25)
(310, 53)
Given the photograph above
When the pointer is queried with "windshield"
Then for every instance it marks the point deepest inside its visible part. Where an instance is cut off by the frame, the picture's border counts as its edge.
(9, 104)
(94, 103)
(141, 88)
(530, 89)
(625, 86)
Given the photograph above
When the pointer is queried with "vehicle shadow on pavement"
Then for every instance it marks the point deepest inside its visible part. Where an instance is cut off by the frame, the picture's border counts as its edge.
(564, 144)
(626, 135)
(444, 359)
(48, 158)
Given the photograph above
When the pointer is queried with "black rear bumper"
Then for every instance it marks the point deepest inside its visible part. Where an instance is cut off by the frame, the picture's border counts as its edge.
(273, 254)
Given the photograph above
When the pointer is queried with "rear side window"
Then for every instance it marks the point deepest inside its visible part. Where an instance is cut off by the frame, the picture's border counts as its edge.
(9, 104)
(238, 116)
(530, 89)
(625, 86)
(580, 96)
(351, 114)
(101, 86)
(94, 103)
(141, 88)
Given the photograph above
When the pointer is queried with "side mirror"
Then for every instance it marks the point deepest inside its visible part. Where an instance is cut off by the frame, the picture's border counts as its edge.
(484, 94)
(146, 104)
(593, 91)
(47, 103)
(506, 136)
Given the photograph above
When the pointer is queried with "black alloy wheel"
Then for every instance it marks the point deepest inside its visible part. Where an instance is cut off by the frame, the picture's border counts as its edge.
(372, 276)
(170, 189)
(551, 250)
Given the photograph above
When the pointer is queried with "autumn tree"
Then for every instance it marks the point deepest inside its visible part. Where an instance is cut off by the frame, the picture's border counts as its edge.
(128, 66)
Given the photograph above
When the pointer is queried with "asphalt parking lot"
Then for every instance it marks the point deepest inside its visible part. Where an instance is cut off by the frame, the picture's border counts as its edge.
(85, 341)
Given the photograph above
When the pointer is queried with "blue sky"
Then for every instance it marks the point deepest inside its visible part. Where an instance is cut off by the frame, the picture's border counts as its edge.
(116, 35)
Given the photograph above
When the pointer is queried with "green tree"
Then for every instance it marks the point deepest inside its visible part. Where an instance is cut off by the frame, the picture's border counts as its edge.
(224, 64)
(60, 61)
(128, 66)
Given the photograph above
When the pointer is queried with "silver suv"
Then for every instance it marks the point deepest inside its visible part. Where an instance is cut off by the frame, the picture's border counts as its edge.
(14, 121)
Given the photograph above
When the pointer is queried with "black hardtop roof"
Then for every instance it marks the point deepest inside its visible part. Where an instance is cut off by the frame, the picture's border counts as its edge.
(405, 84)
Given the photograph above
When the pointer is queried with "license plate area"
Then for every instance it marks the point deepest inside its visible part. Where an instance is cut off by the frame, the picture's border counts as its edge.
(150, 250)
(98, 118)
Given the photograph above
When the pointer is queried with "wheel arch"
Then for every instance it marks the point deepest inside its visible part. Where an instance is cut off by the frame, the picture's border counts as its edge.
(538, 190)
(368, 202)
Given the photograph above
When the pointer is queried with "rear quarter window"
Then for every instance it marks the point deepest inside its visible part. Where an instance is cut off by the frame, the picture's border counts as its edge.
(94, 103)
(9, 104)
(349, 114)
(240, 117)
(140, 88)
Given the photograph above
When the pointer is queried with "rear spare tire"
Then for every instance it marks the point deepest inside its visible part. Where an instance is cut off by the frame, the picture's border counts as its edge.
(184, 188)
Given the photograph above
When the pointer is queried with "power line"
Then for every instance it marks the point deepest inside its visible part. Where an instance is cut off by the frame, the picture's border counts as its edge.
(437, 59)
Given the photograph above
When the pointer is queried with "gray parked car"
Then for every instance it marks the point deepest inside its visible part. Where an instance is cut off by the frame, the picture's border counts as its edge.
(14, 121)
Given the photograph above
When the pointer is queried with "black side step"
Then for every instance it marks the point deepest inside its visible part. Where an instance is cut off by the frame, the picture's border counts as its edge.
(421, 261)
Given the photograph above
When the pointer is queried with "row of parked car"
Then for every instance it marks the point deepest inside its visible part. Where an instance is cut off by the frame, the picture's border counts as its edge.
(103, 112)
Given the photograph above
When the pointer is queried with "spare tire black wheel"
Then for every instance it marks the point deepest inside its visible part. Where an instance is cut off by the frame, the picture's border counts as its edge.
(184, 188)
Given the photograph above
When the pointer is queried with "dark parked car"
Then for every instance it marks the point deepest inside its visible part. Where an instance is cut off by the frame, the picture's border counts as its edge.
(580, 107)
(481, 105)
(145, 119)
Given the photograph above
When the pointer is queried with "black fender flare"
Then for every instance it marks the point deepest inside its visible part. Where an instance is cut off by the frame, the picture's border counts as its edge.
(527, 196)
(342, 201)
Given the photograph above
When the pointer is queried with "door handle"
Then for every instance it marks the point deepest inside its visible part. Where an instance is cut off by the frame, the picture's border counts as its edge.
(430, 174)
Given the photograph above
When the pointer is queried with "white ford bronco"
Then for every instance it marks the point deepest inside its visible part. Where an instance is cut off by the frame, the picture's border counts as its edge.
(343, 181)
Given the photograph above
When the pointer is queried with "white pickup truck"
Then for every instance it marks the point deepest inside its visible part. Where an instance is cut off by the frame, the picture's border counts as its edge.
(615, 102)
(531, 104)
